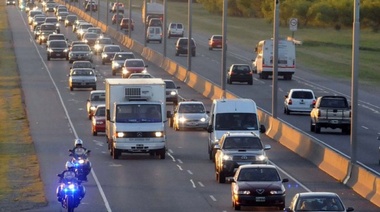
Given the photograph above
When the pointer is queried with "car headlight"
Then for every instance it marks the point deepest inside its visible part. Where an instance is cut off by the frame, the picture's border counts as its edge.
(277, 192)
(92, 108)
(159, 134)
(97, 46)
(104, 56)
(65, 50)
(203, 119)
(71, 54)
(144, 71)
(261, 158)
(85, 40)
(245, 192)
(117, 65)
(50, 50)
(182, 119)
(57, 24)
(120, 134)
(173, 93)
(125, 71)
(227, 157)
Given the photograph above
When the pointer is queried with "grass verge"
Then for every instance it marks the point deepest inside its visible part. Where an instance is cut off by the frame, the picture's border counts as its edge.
(21, 187)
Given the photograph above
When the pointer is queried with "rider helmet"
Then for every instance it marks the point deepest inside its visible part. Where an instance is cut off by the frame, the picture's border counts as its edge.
(78, 142)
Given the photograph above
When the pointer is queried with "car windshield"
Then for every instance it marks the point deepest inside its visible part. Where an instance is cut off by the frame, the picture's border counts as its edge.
(47, 27)
(96, 31)
(71, 18)
(140, 76)
(85, 26)
(319, 203)
(138, 113)
(241, 69)
(259, 174)
(51, 20)
(302, 95)
(242, 143)
(100, 111)
(91, 35)
(236, 121)
(38, 19)
(80, 48)
(134, 63)
(170, 85)
(191, 108)
(58, 44)
(105, 41)
(83, 73)
(101, 97)
(112, 49)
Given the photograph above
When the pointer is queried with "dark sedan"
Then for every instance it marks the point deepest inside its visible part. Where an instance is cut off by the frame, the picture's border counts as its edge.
(239, 73)
(57, 49)
(109, 52)
(258, 185)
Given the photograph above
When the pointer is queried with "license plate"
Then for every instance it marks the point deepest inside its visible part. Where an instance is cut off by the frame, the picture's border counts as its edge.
(260, 199)
(334, 121)
(58, 54)
(191, 123)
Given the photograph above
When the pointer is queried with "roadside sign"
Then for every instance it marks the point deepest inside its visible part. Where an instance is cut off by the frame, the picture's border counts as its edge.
(293, 23)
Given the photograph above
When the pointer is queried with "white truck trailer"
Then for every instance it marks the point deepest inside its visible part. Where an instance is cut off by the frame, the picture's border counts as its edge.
(136, 116)
(263, 64)
(153, 10)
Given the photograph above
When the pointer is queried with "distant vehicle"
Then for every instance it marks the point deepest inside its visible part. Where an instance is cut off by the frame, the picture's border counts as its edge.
(91, 6)
(317, 201)
(140, 75)
(45, 31)
(95, 99)
(171, 91)
(176, 30)
(154, 33)
(53, 20)
(258, 185)
(299, 100)
(117, 7)
(124, 24)
(181, 46)
(82, 64)
(82, 28)
(189, 115)
(11, 2)
(239, 73)
(80, 52)
(157, 22)
(116, 18)
(90, 38)
(153, 10)
(70, 19)
(215, 42)
(236, 148)
(98, 120)
(133, 66)
(100, 42)
(62, 16)
(57, 49)
(82, 78)
(263, 64)
(119, 59)
(109, 52)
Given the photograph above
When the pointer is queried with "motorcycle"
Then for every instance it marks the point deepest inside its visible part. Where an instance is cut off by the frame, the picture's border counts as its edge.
(82, 164)
(70, 192)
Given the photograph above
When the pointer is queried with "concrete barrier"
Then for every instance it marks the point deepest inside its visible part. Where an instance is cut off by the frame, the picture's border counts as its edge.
(360, 180)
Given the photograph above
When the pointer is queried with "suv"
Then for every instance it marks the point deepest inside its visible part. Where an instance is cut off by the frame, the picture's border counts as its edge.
(57, 49)
(53, 20)
(118, 61)
(239, 73)
(299, 100)
(52, 37)
(181, 46)
(176, 30)
(171, 91)
(189, 114)
(124, 24)
(234, 149)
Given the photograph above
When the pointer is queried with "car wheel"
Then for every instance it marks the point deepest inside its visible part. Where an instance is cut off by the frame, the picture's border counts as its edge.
(94, 132)
(221, 177)
(176, 54)
(71, 88)
(48, 58)
(161, 153)
(312, 127)
(250, 82)
(115, 153)
(236, 206)
(287, 111)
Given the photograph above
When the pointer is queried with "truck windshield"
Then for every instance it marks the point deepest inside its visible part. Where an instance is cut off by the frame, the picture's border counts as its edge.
(138, 113)
(236, 121)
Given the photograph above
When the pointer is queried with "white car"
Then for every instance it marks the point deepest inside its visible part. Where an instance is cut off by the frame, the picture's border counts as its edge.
(190, 115)
(299, 100)
(82, 78)
(176, 30)
(96, 98)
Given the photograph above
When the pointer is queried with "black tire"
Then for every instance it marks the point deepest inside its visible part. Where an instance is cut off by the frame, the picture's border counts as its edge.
(312, 127)
(70, 204)
(115, 153)
(48, 58)
(71, 88)
(161, 154)
(236, 207)
(221, 177)
(287, 111)
(250, 82)
(94, 133)
(317, 128)
(171, 121)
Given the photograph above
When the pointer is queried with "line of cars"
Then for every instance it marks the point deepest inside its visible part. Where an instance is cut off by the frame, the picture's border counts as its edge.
(239, 156)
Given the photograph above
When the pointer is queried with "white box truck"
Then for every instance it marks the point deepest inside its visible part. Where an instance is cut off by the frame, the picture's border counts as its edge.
(136, 116)
(263, 64)
(153, 10)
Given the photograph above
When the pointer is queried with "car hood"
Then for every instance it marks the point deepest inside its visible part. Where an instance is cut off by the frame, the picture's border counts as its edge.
(84, 78)
(100, 118)
(95, 104)
(244, 152)
(193, 115)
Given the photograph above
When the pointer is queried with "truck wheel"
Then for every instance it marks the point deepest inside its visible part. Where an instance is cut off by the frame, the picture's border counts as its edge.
(312, 127)
(115, 153)
(161, 153)
(317, 128)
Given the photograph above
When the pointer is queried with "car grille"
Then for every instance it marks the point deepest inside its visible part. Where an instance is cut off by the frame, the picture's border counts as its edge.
(139, 134)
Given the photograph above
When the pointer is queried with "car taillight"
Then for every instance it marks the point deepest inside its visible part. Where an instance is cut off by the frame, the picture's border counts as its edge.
(319, 113)
(313, 103)
(290, 102)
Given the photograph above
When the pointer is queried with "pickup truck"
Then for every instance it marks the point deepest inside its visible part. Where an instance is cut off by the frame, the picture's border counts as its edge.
(331, 112)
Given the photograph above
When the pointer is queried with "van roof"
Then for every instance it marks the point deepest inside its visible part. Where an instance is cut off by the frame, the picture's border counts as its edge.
(234, 106)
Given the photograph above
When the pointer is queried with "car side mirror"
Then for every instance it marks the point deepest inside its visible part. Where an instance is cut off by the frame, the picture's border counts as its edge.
(209, 129)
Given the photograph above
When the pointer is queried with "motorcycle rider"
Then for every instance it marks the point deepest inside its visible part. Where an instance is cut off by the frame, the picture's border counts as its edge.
(69, 175)
(79, 151)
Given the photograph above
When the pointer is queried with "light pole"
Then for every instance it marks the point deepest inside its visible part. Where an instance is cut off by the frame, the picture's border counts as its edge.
(189, 46)
(275, 57)
(224, 49)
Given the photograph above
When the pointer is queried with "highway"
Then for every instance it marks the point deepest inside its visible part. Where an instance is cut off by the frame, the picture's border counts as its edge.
(184, 181)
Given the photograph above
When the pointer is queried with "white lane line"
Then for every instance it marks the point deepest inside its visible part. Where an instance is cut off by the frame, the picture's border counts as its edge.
(188, 171)
(201, 184)
(192, 183)
(106, 203)
(180, 161)
(213, 198)
(179, 167)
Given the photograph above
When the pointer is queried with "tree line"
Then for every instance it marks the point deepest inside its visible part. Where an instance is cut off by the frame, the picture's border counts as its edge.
(310, 13)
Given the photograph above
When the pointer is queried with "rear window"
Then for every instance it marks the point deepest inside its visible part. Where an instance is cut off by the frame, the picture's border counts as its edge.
(241, 69)
(302, 95)
(62, 44)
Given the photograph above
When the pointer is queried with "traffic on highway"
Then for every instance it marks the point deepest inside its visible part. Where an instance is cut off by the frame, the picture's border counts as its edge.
(161, 148)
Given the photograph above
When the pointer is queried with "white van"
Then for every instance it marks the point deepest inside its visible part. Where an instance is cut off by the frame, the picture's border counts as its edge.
(154, 33)
(232, 115)
(263, 64)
